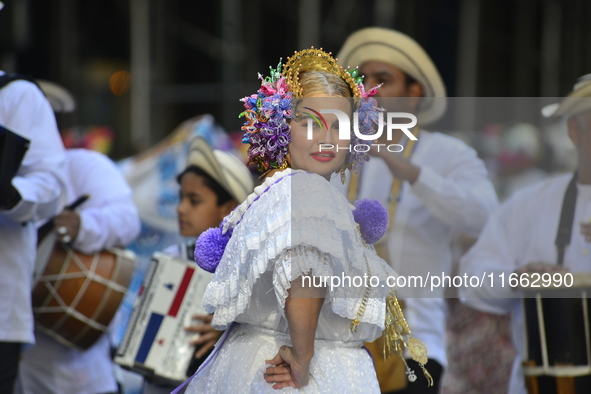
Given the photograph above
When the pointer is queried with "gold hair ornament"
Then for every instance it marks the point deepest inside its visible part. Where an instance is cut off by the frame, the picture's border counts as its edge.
(318, 60)
(268, 111)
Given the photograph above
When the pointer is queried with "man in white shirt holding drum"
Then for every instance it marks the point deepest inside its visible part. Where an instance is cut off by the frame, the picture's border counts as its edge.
(542, 231)
(107, 219)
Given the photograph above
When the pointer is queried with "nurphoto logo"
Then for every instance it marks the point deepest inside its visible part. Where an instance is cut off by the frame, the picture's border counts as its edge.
(345, 129)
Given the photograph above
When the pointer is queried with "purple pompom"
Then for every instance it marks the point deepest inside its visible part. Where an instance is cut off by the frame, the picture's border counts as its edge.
(210, 247)
(372, 218)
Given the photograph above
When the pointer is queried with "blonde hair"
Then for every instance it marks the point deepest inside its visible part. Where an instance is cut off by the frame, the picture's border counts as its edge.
(321, 82)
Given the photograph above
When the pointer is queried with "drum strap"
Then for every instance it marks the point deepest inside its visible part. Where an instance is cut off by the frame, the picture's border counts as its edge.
(567, 216)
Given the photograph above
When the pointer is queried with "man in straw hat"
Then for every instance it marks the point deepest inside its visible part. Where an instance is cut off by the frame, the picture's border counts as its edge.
(435, 185)
(543, 228)
(31, 189)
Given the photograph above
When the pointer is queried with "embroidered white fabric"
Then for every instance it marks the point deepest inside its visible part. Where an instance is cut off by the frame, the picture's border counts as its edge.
(295, 224)
(337, 367)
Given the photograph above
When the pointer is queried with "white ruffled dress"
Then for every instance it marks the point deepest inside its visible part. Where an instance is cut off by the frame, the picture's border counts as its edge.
(294, 224)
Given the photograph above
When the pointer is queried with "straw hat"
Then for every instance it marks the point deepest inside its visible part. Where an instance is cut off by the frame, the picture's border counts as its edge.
(574, 103)
(228, 171)
(60, 98)
(398, 49)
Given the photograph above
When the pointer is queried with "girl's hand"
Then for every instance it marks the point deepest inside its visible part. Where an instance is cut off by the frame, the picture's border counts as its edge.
(288, 370)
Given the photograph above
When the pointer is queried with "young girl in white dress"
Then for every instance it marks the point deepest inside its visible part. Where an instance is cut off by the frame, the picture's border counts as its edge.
(284, 329)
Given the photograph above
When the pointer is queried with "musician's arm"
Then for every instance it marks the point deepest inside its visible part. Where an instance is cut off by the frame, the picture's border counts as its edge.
(208, 335)
(463, 197)
(494, 257)
(109, 218)
(40, 180)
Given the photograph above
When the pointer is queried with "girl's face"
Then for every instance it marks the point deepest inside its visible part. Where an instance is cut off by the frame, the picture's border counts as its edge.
(319, 154)
(198, 209)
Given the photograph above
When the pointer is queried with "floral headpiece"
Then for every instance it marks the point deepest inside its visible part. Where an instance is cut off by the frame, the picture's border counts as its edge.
(268, 111)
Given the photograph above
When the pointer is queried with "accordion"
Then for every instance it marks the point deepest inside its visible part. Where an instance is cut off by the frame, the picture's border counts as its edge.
(155, 343)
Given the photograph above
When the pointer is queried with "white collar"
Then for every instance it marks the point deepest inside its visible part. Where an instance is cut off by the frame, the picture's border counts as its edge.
(236, 215)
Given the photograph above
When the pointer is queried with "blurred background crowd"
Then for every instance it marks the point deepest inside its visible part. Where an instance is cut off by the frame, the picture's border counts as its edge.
(141, 67)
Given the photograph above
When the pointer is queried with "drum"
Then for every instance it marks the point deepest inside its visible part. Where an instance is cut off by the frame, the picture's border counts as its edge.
(75, 296)
(557, 340)
(155, 343)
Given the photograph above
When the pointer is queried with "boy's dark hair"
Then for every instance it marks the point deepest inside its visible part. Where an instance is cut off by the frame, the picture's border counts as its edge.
(222, 195)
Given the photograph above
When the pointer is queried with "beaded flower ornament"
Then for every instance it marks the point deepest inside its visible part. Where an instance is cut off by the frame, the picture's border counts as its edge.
(269, 110)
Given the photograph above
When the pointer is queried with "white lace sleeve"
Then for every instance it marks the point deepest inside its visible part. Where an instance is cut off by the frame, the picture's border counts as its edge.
(295, 223)
(318, 269)
(297, 262)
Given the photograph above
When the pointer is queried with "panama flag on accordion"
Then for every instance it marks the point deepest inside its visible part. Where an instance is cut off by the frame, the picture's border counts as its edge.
(164, 313)
(155, 338)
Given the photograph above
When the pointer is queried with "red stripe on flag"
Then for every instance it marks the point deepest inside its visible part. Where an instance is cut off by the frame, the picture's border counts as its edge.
(180, 294)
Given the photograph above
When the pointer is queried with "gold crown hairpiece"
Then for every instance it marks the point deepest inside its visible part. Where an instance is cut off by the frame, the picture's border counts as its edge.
(318, 60)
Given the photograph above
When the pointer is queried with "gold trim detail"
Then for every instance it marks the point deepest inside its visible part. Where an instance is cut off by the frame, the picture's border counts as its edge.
(317, 60)
(395, 339)
(396, 335)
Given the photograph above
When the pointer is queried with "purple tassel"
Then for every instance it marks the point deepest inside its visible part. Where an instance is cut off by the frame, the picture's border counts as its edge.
(210, 247)
(372, 218)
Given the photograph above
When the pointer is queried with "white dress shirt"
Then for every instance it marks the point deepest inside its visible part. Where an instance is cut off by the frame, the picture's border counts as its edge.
(523, 231)
(108, 219)
(40, 182)
(452, 192)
